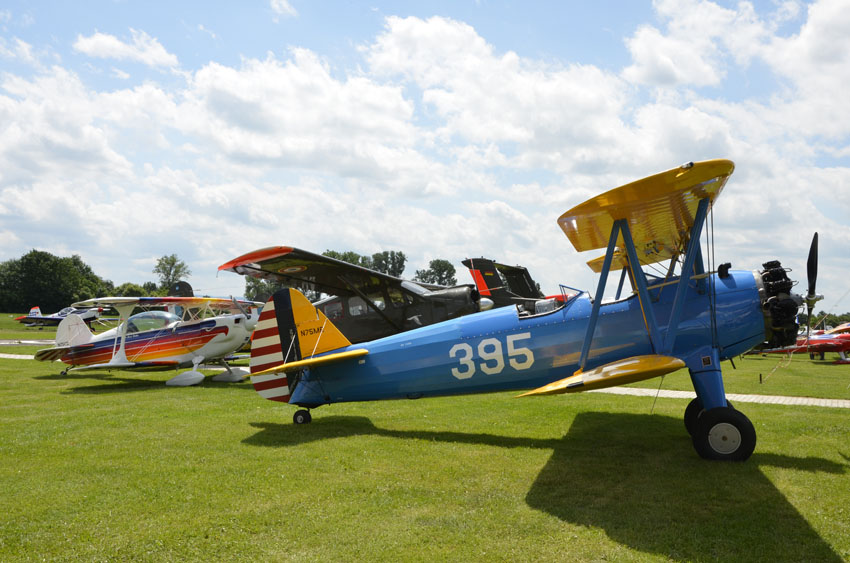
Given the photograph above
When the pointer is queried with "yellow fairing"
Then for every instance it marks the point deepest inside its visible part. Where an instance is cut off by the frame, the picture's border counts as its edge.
(660, 211)
(624, 371)
(316, 334)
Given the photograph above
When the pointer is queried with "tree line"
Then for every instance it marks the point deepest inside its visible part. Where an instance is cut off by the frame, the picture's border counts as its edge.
(53, 282)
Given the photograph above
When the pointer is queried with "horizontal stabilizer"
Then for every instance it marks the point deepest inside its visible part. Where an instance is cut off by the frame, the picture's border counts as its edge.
(315, 361)
(51, 354)
(624, 371)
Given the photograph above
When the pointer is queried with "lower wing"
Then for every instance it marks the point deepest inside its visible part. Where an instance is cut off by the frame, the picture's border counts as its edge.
(624, 371)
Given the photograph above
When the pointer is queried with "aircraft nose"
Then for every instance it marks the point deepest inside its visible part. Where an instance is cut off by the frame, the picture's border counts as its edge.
(779, 305)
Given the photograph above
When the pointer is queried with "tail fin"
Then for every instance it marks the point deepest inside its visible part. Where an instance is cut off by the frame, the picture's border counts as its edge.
(289, 329)
(72, 331)
(485, 276)
(35, 312)
(501, 283)
(488, 281)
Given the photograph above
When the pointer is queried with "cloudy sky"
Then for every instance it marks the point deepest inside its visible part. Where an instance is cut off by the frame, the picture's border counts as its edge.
(132, 130)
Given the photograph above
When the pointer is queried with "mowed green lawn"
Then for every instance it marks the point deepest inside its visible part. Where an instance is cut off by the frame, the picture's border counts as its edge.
(120, 467)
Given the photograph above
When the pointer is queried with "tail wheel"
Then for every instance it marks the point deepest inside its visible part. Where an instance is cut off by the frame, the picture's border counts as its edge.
(724, 434)
(302, 417)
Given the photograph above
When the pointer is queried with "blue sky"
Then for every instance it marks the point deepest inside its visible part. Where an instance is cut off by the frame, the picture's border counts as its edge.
(132, 130)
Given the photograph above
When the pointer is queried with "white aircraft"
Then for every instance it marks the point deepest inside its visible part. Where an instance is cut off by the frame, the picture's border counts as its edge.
(192, 331)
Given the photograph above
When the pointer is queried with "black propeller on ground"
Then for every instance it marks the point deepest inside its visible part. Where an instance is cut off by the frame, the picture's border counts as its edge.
(812, 271)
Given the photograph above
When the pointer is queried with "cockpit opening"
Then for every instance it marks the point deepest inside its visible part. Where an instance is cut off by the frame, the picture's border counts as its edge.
(151, 320)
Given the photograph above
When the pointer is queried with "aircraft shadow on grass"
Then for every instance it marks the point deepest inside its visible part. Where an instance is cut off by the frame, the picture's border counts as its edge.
(113, 383)
(653, 502)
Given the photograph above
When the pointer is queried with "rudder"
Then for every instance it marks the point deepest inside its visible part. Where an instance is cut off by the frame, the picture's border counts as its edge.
(289, 329)
(72, 331)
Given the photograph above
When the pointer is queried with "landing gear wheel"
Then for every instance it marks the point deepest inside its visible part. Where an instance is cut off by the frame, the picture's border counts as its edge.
(694, 411)
(724, 434)
(302, 417)
(692, 414)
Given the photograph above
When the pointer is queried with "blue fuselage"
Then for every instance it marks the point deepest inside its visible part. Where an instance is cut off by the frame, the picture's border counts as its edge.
(501, 350)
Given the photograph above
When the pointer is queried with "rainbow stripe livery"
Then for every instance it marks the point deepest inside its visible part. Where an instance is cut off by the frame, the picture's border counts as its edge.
(209, 330)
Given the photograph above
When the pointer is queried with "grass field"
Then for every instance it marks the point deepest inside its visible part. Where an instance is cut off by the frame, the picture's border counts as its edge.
(119, 467)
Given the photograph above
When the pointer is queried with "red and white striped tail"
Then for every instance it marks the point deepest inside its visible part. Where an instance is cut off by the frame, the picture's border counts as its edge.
(267, 352)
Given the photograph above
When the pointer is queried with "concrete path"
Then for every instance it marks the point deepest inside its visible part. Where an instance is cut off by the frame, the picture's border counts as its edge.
(734, 397)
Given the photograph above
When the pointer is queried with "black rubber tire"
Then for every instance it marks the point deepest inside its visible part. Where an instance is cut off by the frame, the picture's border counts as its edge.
(302, 417)
(724, 434)
(692, 414)
(693, 411)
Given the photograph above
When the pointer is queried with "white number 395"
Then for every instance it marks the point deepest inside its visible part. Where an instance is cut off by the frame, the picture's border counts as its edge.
(491, 356)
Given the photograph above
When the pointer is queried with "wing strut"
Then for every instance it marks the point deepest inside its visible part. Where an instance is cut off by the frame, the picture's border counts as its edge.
(640, 283)
(620, 286)
(600, 290)
(661, 343)
(685, 277)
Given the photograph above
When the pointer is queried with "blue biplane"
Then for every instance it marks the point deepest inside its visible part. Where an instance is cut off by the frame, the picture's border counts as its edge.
(693, 317)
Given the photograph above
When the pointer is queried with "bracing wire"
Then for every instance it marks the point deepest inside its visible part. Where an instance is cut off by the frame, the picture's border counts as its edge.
(658, 270)
(657, 393)
(321, 332)
(783, 363)
(711, 286)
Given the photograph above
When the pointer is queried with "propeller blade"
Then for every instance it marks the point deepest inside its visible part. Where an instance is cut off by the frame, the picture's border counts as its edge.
(812, 266)
(812, 272)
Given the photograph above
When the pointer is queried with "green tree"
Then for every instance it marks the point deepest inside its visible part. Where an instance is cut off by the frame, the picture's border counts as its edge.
(171, 269)
(51, 282)
(390, 262)
(349, 256)
(261, 290)
(130, 290)
(822, 319)
(439, 272)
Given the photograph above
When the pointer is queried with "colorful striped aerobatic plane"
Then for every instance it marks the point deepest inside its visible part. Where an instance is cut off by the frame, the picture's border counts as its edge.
(193, 330)
(36, 318)
(691, 317)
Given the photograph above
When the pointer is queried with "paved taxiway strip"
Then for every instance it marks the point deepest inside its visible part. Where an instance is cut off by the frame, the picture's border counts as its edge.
(734, 397)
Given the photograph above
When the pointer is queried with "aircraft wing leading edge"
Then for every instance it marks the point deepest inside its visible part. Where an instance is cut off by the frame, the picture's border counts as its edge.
(628, 370)
(660, 211)
(294, 266)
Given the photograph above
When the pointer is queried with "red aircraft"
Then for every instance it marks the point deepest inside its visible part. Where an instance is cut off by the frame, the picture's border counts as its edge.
(835, 340)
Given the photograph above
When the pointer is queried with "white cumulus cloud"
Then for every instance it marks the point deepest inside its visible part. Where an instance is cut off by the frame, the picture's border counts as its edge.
(142, 48)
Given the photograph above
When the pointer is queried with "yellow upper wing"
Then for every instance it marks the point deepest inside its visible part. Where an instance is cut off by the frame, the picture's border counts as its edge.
(660, 210)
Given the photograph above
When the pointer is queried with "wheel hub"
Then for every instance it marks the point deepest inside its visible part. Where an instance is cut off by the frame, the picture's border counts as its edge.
(724, 438)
